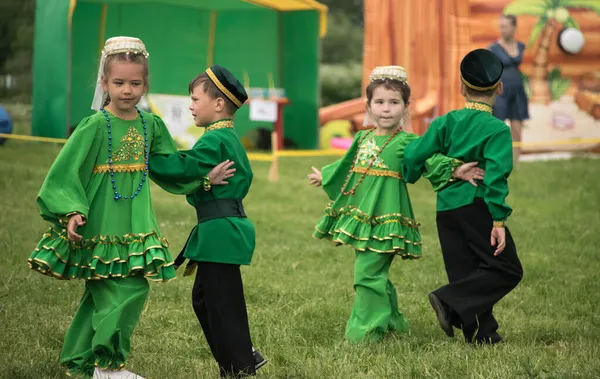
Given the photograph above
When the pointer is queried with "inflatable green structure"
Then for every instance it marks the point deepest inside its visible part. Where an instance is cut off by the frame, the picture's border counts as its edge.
(268, 43)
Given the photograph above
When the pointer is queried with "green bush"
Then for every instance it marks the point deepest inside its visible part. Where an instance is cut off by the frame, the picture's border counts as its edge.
(340, 82)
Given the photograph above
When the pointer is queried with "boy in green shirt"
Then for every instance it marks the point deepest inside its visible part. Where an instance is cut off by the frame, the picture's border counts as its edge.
(479, 253)
(224, 237)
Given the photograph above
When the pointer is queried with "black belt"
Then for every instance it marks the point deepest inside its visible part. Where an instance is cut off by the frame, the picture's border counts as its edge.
(210, 210)
(220, 208)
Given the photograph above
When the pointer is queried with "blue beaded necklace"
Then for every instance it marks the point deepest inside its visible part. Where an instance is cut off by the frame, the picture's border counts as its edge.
(110, 161)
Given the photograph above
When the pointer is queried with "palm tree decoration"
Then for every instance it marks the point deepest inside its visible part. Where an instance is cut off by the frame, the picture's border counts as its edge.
(551, 14)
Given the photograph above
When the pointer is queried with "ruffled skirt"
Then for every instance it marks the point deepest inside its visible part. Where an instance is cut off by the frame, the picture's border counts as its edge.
(103, 257)
(390, 233)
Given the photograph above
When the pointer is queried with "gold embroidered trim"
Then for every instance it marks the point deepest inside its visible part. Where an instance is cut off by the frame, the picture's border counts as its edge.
(126, 239)
(224, 124)
(499, 224)
(477, 88)
(342, 231)
(124, 167)
(396, 250)
(115, 260)
(220, 85)
(373, 172)
(150, 275)
(478, 107)
(361, 216)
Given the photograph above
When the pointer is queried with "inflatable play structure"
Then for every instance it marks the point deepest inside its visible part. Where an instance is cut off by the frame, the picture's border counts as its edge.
(561, 65)
(270, 44)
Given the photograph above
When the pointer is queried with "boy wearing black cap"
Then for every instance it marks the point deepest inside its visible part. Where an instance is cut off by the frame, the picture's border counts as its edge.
(479, 253)
(224, 237)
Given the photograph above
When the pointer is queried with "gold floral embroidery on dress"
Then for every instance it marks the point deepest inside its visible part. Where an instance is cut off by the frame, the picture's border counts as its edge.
(101, 169)
(364, 170)
(369, 151)
(220, 125)
(132, 146)
(478, 106)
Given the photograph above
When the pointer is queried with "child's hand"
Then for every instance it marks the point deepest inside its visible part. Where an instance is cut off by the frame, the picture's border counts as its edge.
(221, 172)
(315, 178)
(469, 172)
(498, 239)
(74, 222)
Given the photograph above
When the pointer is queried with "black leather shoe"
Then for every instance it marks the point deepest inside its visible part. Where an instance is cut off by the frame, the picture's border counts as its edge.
(492, 339)
(259, 360)
(442, 313)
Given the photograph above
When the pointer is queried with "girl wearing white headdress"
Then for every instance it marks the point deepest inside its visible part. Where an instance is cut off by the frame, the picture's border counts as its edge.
(370, 208)
(103, 230)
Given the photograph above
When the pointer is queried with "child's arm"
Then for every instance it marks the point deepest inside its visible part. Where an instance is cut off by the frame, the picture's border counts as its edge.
(423, 156)
(498, 157)
(440, 169)
(332, 176)
(63, 192)
(181, 172)
(417, 151)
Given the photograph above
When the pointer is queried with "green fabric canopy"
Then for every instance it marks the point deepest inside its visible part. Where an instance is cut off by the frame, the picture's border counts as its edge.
(259, 44)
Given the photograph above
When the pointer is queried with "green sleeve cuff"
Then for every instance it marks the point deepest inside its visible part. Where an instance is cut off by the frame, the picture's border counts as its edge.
(64, 219)
(456, 163)
(206, 183)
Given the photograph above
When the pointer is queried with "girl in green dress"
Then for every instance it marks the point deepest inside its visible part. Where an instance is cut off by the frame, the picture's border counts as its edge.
(370, 208)
(104, 231)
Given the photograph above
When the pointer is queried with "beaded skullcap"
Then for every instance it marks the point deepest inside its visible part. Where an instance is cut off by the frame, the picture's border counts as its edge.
(389, 72)
(118, 45)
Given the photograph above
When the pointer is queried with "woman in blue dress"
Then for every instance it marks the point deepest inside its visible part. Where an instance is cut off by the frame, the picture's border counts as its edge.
(512, 104)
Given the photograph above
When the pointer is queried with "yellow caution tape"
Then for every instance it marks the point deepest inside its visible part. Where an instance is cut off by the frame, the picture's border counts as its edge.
(320, 153)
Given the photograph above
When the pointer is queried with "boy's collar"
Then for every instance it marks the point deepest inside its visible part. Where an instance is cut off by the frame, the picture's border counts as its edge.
(220, 124)
(479, 106)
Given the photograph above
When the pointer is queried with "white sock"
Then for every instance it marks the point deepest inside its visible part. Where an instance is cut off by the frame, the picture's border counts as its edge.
(108, 374)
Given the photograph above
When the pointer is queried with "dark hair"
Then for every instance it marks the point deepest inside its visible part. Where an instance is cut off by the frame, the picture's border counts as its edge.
(130, 57)
(390, 84)
(511, 18)
(212, 91)
(473, 93)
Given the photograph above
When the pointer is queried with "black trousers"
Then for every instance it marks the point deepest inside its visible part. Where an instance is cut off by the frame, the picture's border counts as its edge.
(477, 279)
(219, 304)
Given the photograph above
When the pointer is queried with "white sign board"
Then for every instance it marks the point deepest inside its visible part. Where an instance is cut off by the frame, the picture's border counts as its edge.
(263, 110)
(174, 110)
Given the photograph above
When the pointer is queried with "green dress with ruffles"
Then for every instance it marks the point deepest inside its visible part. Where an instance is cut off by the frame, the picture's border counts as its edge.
(121, 237)
(378, 215)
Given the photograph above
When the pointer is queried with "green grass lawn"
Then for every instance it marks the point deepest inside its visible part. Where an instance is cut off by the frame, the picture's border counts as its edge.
(299, 290)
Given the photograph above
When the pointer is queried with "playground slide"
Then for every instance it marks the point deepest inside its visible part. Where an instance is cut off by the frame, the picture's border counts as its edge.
(342, 111)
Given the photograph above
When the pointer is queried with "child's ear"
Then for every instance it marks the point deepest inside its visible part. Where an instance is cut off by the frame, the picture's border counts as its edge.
(219, 104)
(104, 83)
(463, 91)
(499, 89)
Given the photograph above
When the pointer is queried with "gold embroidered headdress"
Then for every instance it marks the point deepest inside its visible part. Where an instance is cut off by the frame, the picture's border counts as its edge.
(389, 72)
(383, 73)
(113, 46)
